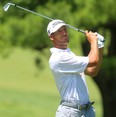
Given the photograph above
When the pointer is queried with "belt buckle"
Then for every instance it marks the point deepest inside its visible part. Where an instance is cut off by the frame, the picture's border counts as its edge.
(84, 107)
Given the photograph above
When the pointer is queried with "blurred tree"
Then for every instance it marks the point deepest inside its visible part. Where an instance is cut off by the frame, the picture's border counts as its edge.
(100, 16)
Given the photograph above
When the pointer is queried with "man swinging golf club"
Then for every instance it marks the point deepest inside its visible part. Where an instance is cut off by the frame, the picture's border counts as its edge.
(69, 70)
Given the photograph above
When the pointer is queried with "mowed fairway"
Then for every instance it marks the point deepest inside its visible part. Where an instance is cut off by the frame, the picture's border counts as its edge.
(26, 91)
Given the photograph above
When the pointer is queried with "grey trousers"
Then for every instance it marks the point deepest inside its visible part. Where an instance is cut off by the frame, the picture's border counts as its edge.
(64, 111)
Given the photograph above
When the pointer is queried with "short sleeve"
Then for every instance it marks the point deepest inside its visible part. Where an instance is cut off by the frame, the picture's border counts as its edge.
(69, 63)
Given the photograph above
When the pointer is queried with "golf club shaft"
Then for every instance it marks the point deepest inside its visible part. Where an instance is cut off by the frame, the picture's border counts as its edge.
(33, 12)
(46, 17)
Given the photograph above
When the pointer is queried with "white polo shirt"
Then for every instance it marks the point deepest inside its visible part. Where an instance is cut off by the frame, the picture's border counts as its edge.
(68, 71)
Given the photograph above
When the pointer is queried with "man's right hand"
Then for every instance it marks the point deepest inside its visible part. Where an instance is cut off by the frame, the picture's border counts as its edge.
(91, 37)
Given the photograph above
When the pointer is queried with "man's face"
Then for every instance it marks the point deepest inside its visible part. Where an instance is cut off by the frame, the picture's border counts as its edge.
(60, 38)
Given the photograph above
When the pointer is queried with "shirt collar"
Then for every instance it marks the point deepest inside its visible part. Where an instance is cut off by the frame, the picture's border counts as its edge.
(59, 50)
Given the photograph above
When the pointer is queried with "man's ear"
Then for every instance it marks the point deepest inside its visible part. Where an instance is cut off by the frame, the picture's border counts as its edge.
(51, 37)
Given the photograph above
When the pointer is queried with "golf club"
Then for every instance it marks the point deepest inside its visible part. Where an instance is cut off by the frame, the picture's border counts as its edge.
(6, 7)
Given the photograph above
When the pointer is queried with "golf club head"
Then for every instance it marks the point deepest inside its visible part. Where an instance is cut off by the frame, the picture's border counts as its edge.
(6, 7)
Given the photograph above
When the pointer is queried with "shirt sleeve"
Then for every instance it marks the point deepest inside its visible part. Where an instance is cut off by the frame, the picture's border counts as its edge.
(72, 63)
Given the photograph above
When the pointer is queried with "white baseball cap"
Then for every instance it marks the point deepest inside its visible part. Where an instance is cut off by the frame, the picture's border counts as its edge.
(54, 25)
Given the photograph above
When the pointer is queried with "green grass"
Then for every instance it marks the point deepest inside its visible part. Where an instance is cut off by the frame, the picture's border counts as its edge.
(26, 91)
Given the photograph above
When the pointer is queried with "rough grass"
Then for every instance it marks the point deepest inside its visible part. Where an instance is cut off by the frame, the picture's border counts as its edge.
(26, 91)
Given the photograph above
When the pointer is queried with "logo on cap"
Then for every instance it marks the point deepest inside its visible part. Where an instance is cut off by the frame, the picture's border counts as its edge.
(56, 23)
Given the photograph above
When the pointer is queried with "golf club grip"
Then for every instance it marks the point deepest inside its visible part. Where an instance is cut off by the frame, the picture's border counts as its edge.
(82, 31)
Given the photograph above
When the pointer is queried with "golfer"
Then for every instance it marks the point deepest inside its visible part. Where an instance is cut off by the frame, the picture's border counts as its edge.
(69, 70)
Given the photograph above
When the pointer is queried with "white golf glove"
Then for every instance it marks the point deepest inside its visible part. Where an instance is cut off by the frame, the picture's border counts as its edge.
(100, 40)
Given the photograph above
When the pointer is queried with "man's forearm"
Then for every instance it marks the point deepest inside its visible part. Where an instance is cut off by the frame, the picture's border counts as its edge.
(96, 67)
(93, 54)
